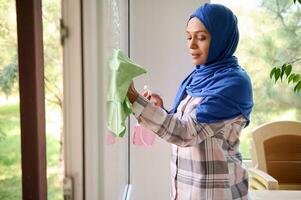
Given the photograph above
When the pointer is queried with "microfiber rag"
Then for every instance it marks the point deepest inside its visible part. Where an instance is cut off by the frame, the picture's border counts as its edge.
(224, 85)
(121, 72)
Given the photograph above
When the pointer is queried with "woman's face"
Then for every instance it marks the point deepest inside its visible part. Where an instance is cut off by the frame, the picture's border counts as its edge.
(198, 41)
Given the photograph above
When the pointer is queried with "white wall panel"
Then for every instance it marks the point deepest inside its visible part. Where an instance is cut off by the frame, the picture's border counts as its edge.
(158, 43)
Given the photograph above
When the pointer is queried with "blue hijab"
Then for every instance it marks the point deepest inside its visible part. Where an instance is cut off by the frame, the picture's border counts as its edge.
(225, 87)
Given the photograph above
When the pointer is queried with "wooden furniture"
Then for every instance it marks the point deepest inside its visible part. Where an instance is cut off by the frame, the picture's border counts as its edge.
(259, 180)
(276, 155)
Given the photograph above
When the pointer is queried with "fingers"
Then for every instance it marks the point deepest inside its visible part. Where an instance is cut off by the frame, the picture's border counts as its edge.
(156, 99)
(156, 96)
(147, 94)
(153, 97)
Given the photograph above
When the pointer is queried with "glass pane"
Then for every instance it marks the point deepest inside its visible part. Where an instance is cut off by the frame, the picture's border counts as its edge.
(53, 97)
(115, 149)
(269, 37)
(10, 156)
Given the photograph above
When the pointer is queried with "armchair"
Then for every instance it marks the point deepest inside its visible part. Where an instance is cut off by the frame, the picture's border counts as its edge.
(276, 156)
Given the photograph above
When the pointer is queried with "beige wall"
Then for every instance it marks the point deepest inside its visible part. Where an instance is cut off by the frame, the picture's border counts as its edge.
(158, 43)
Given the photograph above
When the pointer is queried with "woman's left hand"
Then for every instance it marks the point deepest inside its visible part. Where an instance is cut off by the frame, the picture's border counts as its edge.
(132, 93)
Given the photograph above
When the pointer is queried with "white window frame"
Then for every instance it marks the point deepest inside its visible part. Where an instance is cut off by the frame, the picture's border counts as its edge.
(83, 89)
(73, 101)
(94, 96)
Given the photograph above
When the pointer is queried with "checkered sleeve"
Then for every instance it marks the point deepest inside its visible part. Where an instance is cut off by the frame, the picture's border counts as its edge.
(184, 133)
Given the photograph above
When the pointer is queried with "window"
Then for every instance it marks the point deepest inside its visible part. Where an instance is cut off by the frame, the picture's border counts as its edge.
(268, 37)
(10, 154)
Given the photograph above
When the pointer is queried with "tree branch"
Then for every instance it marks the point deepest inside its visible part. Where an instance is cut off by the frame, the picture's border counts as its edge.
(295, 60)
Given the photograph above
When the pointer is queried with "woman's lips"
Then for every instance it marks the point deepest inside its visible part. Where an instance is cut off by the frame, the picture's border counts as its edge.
(195, 55)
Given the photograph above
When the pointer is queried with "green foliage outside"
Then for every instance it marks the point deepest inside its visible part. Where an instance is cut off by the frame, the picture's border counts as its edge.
(10, 166)
(10, 163)
(8, 47)
(270, 35)
(286, 70)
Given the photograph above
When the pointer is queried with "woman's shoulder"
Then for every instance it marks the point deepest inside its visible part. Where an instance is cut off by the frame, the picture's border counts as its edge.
(234, 80)
(236, 73)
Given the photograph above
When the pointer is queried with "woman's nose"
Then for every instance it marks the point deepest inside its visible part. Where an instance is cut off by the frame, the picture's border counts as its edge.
(193, 44)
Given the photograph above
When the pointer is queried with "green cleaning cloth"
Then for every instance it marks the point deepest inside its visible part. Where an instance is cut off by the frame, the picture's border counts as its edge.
(121, 72)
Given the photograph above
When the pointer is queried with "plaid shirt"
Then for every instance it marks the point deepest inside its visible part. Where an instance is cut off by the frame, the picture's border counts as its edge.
(206, 163)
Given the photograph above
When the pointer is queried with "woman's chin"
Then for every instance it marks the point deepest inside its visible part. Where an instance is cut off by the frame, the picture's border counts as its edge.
(197, 62)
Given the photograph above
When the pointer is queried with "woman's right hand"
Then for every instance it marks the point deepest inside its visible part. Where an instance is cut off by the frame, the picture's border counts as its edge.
(153, 97)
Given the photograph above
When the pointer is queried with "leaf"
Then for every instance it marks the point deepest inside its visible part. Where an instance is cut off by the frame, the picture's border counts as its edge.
(294, 1)
(288, 69)
(291, 77)
(283, 67)
(273, 72)
(296, 78)
(298, 1)
(277, 74)
(298, 87)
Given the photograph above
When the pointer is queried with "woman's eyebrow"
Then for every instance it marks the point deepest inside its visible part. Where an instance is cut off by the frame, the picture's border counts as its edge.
(197, 31)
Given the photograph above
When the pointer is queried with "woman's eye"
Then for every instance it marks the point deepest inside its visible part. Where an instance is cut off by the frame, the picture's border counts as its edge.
(202, 38)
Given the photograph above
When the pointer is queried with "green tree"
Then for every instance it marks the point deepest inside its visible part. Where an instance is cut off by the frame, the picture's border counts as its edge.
(8, 77)
(290, 18)
(53, 92)
(273, 41)
(264, 42)
(52, 51)
(8, 46)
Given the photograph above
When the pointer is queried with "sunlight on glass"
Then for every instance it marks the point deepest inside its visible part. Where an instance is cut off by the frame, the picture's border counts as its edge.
(266, 41)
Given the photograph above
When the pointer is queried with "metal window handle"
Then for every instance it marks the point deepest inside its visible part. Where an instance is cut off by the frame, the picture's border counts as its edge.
(68, 188)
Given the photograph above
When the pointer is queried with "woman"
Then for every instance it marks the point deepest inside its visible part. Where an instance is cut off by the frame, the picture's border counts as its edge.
(212, 106)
